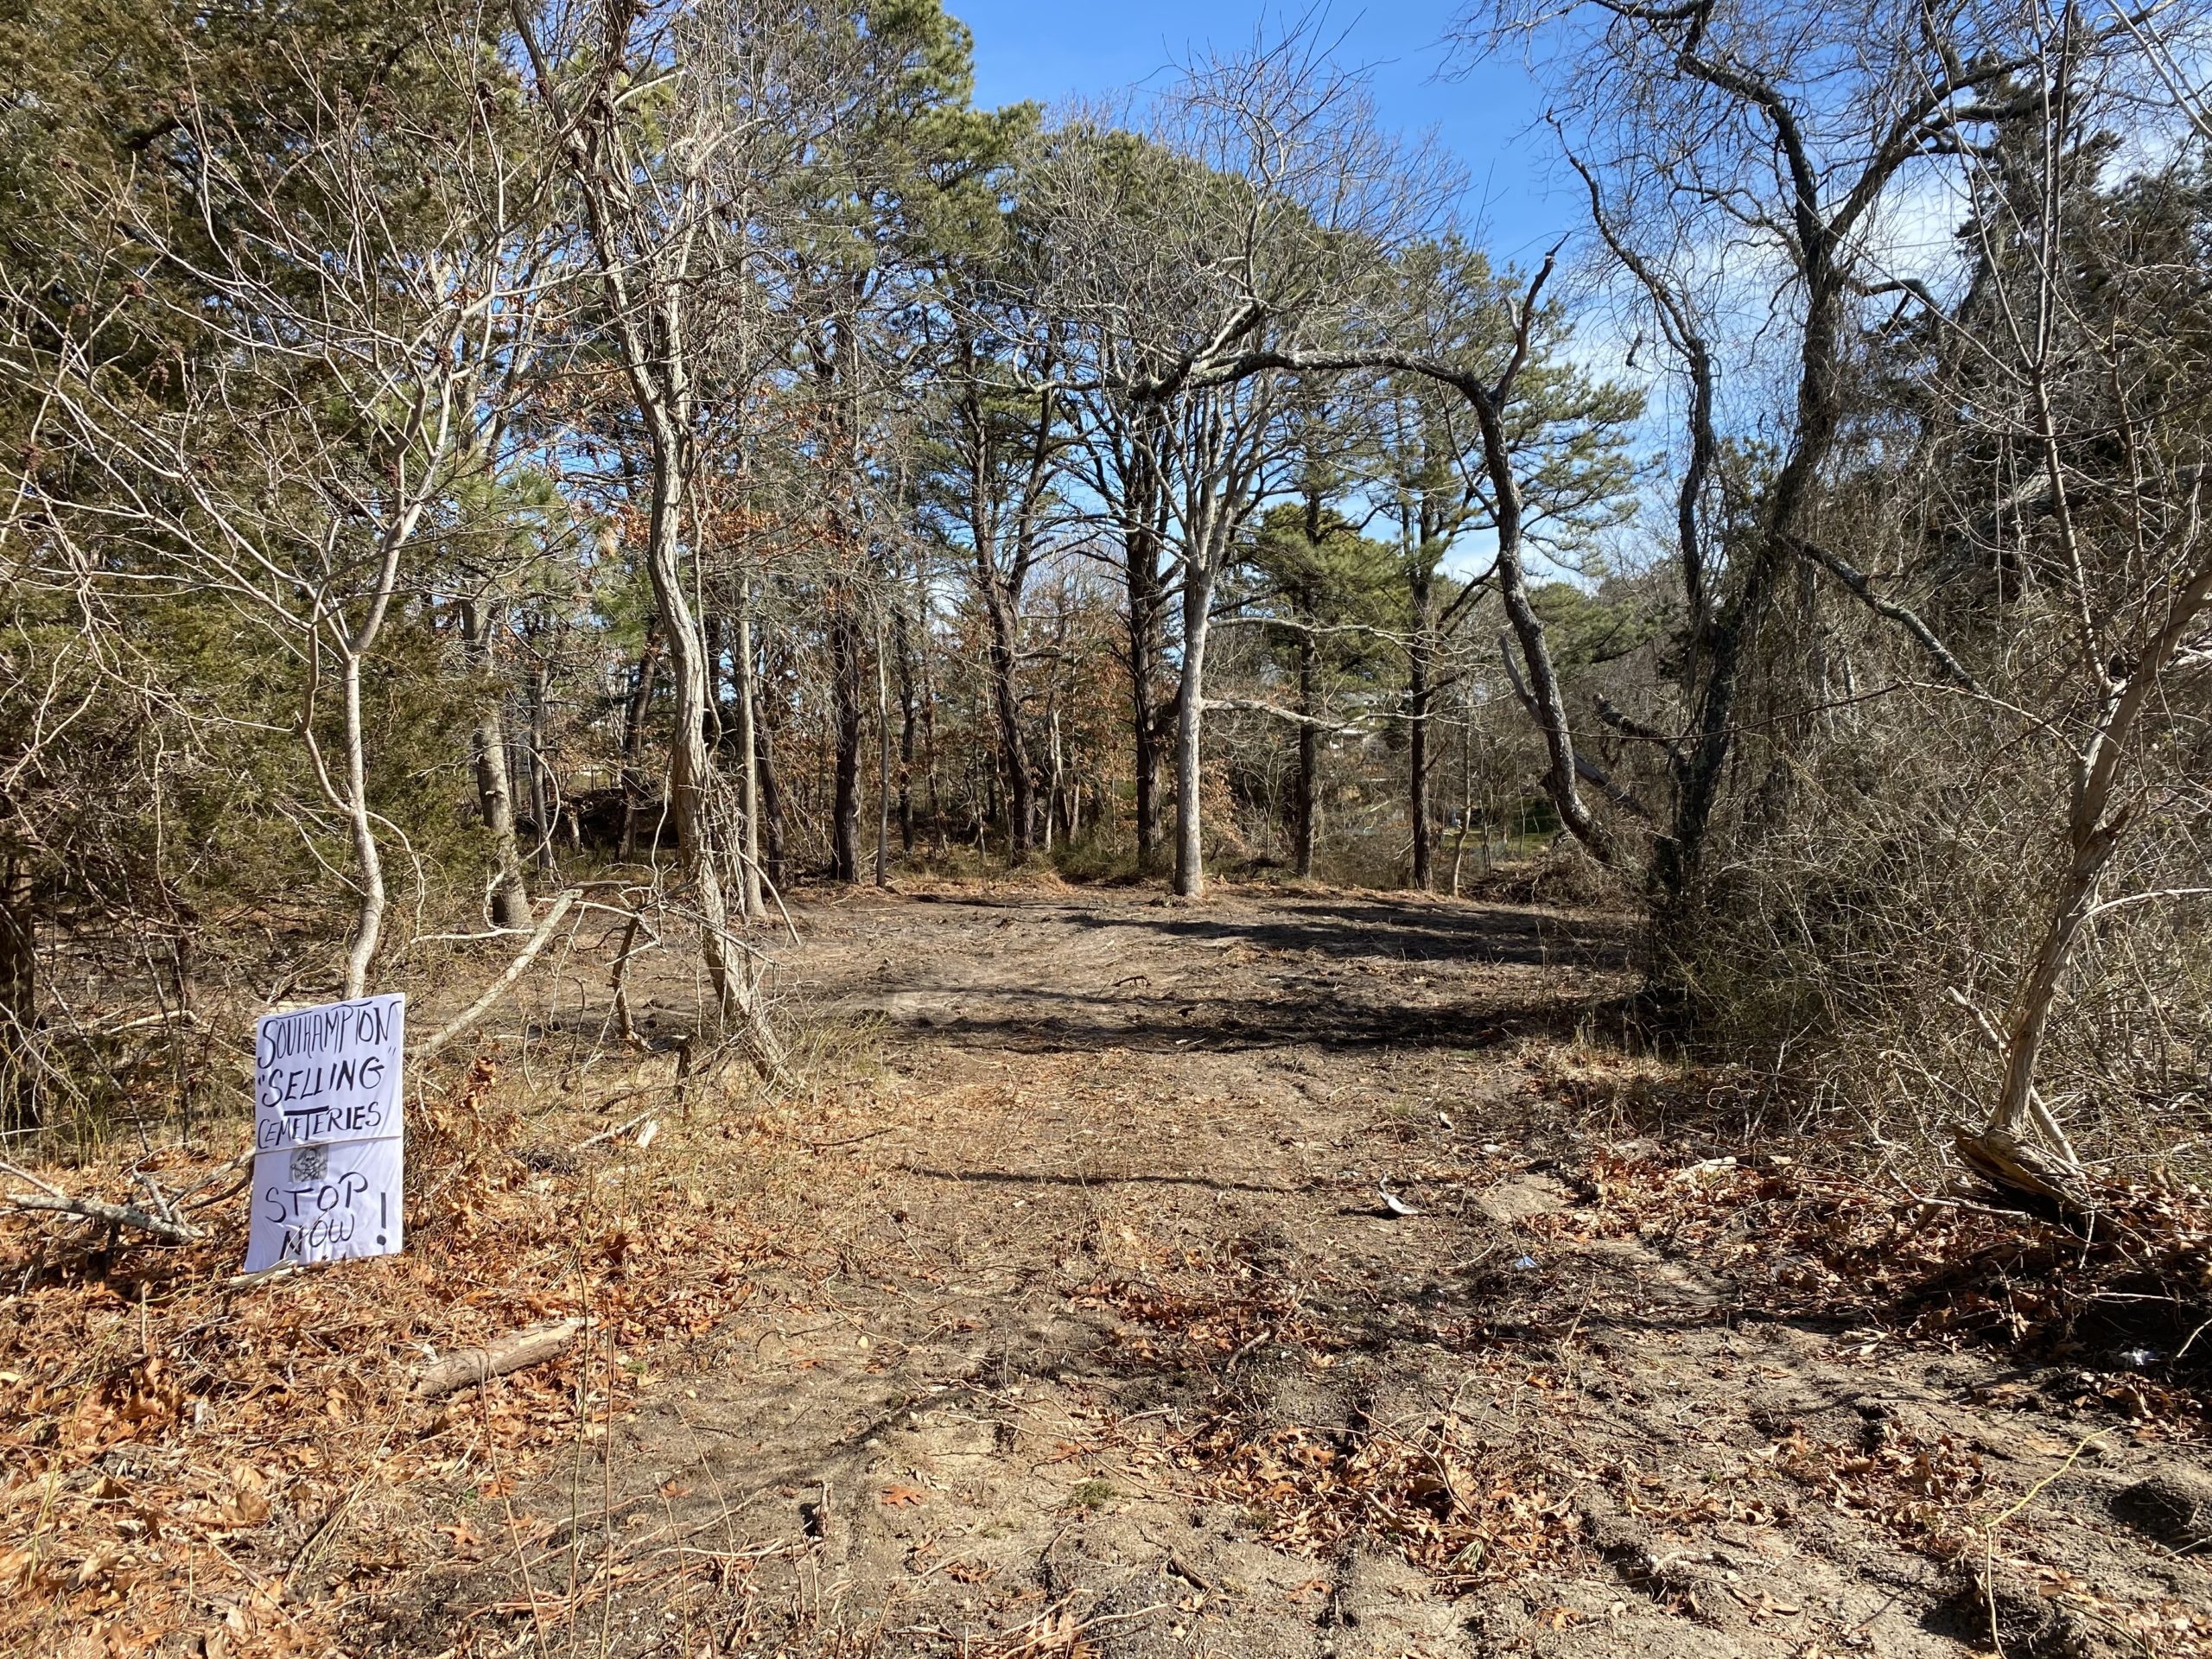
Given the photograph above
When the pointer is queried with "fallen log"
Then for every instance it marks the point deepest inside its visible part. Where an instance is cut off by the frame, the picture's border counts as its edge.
(510, 1353)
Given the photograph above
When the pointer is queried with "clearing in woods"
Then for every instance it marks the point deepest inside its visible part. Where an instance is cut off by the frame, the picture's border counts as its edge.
(1113, 1347)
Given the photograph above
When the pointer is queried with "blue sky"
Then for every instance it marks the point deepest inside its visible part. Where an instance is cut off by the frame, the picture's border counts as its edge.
(1046, 51)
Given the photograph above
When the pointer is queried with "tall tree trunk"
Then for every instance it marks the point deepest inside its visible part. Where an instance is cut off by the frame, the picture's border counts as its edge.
(645, 304)
(1056, 759)
(845, 781)
(747, 714)
(902, 633)
(1006, 699)
(1543, 697)
(692, 778)
(494, 803)
(1146, 766)
(773, 864)
(928, 694)
(1190, 712)
(634, 737)
(882, 762)
(1419, 653)
(368, 917)
(1145, 616)
(1678, 856)
(541, 794)
(18, 991)
(1305, 803)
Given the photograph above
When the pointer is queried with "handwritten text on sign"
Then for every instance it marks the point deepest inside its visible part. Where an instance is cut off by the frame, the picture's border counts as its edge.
(329, 1164)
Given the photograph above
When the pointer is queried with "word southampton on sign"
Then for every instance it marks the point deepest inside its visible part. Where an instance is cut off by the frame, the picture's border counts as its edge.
(328, 1157)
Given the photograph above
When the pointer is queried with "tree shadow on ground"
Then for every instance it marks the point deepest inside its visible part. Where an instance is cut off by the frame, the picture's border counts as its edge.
(1056, 1022)
(1408, 932)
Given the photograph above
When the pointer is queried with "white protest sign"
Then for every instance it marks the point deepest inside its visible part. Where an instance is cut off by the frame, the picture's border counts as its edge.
(329, 1155)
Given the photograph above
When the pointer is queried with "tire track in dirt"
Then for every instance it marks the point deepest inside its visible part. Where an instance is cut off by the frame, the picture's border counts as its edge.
(1121, 1356)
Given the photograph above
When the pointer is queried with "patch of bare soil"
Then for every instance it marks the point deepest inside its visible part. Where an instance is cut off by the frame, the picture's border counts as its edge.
(1096, 1333)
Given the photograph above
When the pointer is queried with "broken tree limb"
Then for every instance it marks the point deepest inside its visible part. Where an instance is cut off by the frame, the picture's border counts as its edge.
(1903, 615)
(1289, 716)
(512, 1353)
(1628, 726)
(114, 1215)
(241, 1166)
(1619, 794)
(468, 1018)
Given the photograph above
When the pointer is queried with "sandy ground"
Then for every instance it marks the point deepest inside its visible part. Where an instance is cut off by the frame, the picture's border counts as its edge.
(1106, 1341)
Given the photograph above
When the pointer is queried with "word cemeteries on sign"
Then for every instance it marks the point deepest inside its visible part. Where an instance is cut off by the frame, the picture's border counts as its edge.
(328, 1158)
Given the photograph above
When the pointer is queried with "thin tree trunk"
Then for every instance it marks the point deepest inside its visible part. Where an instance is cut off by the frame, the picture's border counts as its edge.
(1306, 799)
(18, 993)
(1006, 698)
(541, 795)
(749, 766)
(929, 752)
(690, 769)
(1052, 792)
(1144, 656)
(773, 864)
(903, 641)
(1418, 654)
(845, 781)
(634, 737)
(1544, 698)
(2094, 827)
(494, 802)
(1190, 827)
(882, 764)
(644, 304)
(368, 920)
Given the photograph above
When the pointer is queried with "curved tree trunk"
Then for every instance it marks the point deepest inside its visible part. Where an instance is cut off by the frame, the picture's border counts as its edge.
(692, 778)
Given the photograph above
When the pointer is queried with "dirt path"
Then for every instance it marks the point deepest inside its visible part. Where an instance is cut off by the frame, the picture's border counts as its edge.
(1114, 1347)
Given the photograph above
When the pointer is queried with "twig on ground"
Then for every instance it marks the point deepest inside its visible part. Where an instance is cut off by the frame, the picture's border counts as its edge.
(510, 1353)
(115, 1215)
(614, 1133)
(230, 1166)
(24, 1174)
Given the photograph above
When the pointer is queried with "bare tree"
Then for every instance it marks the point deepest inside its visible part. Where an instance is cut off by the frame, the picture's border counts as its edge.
(2129, 560)
(348, 370)
(1237, 232)
(659, 211)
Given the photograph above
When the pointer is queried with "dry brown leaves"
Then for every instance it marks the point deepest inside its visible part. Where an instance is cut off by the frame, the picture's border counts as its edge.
(1925, 1491)
(1459, 1507)
(192, 1465)
(1803, 1242)
(1456, 1507)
